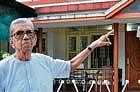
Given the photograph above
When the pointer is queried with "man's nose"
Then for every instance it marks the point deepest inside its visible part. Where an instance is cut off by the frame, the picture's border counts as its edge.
(25, 36)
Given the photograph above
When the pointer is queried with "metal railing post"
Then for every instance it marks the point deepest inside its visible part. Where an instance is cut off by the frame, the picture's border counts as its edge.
(126, 83)
(93, 82)
(106, 82)
(73, 81)
(62, 82)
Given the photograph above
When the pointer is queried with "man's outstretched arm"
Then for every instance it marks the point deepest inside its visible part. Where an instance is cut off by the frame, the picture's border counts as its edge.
(78, 59)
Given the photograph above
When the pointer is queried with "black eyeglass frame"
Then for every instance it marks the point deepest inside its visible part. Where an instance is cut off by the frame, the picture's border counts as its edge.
(20, 34)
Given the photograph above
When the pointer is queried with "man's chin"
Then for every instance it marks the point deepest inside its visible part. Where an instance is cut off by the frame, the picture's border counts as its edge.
(26, 49)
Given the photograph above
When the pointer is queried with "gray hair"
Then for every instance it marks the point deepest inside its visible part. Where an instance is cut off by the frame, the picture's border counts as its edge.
(20, 20)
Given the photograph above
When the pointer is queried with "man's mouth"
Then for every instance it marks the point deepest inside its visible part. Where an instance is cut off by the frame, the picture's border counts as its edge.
(26, 44)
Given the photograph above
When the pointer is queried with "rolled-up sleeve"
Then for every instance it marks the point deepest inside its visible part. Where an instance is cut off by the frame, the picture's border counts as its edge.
(60, 68)
(57, 67)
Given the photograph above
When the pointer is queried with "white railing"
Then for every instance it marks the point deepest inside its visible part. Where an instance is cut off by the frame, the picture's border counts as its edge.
(107, 83)
(126, 83)
(61, 83)
(93, 82)
(73, 81)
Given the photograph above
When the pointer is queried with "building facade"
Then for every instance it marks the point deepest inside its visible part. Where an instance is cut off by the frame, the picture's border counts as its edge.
(65, 27)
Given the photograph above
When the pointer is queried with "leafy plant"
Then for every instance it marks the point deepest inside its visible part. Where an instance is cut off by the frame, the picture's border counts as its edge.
(4, 54)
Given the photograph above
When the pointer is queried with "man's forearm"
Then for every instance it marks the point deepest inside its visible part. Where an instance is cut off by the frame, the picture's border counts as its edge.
(78, 59)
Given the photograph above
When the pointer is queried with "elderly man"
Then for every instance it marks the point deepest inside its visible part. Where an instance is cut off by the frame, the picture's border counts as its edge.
(25, 71)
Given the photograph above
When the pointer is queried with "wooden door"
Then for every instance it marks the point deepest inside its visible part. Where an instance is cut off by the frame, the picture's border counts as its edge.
(133, 60)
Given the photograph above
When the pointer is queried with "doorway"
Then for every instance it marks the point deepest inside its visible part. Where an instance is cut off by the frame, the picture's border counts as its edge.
(133, 60)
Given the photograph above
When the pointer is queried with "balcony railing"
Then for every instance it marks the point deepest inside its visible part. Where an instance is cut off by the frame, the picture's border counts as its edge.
(86, 80)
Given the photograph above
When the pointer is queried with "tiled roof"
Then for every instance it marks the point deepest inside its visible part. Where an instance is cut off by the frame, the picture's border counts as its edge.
(50, 7)
(76, 7)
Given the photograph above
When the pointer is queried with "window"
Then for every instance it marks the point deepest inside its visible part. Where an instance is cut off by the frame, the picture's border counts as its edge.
(72, 47)
(80, 37)
(102, 56)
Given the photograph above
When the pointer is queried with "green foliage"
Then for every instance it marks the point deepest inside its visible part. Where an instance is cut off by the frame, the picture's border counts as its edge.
(4, 54)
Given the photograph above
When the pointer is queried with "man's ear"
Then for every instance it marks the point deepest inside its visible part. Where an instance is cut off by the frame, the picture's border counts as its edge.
(12, 43)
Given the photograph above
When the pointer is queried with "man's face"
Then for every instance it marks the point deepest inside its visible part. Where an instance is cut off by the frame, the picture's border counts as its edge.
(23, 37)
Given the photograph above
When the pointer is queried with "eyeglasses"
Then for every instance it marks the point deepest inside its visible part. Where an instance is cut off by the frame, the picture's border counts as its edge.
(20, 34)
